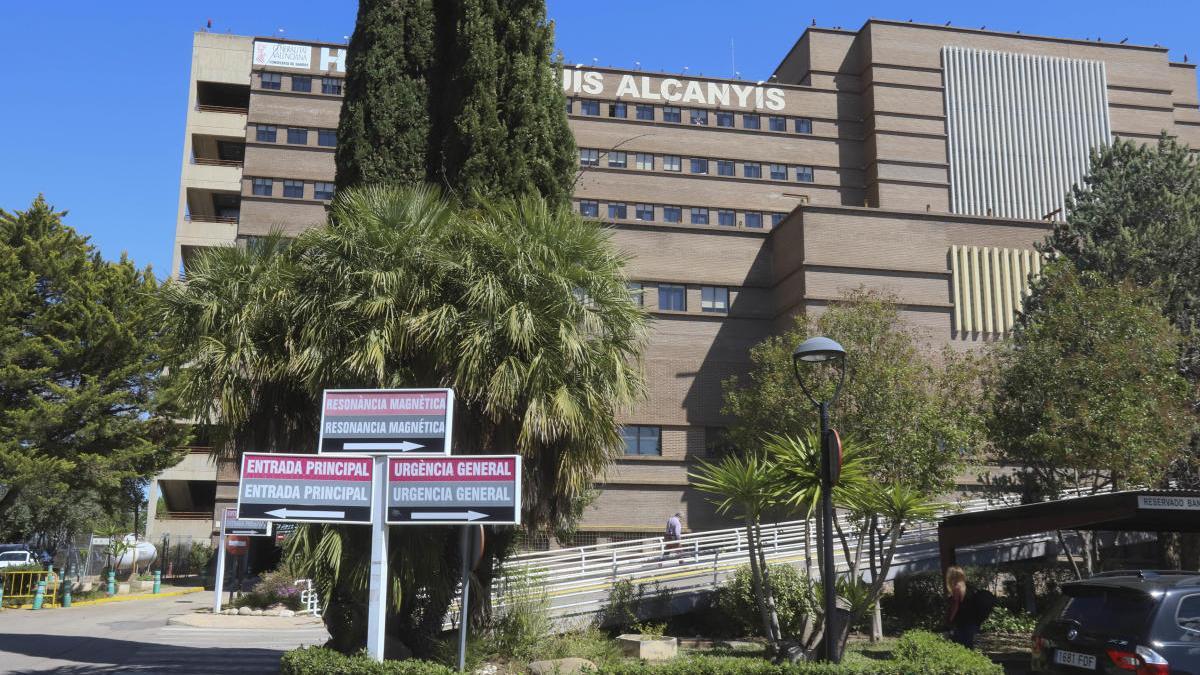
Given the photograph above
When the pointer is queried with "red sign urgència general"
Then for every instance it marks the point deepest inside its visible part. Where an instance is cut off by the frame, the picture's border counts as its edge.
(483, 489)
(387, 421)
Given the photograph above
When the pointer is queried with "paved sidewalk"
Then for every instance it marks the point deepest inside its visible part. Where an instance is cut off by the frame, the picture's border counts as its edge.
(134, 637)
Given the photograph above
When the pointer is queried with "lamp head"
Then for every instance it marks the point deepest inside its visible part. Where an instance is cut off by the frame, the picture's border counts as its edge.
(818, 350)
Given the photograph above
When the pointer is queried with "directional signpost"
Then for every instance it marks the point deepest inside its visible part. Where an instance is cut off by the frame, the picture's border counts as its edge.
(405, 435)
(482, 489)
(387, 421)
(233, 541)
(306, 488)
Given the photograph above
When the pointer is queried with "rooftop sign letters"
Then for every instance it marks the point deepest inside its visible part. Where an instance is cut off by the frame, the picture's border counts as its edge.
(482, 489)
(385, 421)
(1169, 502)
(672, 90)
(306, 488)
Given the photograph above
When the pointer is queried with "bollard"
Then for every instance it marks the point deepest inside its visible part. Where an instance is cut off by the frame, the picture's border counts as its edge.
(40, 596)
(66, 586)
(157, 581)
(112, 582)
(1, 592)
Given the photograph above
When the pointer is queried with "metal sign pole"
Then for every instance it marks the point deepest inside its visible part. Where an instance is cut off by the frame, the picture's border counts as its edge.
(218, 582)
(466, 598)
(377, 599)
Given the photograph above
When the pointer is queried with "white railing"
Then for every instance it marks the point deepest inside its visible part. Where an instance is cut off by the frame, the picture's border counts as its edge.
(578, 580)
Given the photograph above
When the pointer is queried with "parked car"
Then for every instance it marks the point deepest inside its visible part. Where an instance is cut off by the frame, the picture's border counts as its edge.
(1128, 622)
(16, 558)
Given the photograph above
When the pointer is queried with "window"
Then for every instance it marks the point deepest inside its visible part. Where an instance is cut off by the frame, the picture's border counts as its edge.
(636, 295)
(673, 214)
(618, 211)
(265, 133)
(698, 117)
(322, 190)
(751, 121)
(645, 161)
(293, 188)
(672, 297)
(569, 102)
(699, 165)
(617, 159)
(725, 119)
(672, 163)
(726, 218)
(803, 125)
(331, 85)
(778, 172)
(618, 110)
(297, 136)
(262, 187)
(589, 106)
(672, 114)
(778, 124)
(754, 219)
(714, 299)
(804, 174)
(1188, 614)
(645, 112)
(271, 80)
(699, 215)
(725, 167)
(642, 440)
(301, 83)
(589, 208)
(1097, 609)
(777, 218)
(327, 137)
(589, 157)
(752, 170)
(643, 211)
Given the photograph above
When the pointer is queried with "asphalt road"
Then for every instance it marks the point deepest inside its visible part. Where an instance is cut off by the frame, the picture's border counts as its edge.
(133, 637)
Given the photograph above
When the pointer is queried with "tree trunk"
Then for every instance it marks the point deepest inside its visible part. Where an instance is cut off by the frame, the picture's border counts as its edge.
(757, 584)
(776, 635)
(1067, 549)
(808, 566)
(1171, 550)
(1089, 564)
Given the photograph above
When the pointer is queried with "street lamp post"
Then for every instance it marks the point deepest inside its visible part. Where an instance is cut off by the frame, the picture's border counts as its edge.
(824, 350)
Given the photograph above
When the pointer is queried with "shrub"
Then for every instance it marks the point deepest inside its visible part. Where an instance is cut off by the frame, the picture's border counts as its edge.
(919, 600)
(276, 587)
(523, 623)
(920, 651)
(621, 611)
(1004, 620)
(198, 558)
(794, 598)
(322, 661)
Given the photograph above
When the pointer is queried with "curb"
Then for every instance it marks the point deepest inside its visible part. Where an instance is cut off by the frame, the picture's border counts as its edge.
(120, 598)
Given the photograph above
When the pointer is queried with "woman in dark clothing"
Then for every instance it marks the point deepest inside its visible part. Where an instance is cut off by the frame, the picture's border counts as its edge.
(959, 616)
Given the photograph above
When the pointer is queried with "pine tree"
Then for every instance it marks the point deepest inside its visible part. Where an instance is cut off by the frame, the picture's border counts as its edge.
(506, 132)
(80, 413)
(384, 131)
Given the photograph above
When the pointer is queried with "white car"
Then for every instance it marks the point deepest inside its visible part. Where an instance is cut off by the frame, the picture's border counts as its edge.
(16, 558)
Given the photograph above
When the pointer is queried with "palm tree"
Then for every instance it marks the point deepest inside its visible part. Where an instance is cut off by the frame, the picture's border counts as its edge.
(521, 308)
(748, 485)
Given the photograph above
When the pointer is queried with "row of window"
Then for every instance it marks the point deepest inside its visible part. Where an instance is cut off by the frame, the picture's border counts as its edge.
(293, 189)
(673, 297)
(269, 133)
(645, 161)
(641, 439)
(304, 83)
(695, 116)
(697, 215)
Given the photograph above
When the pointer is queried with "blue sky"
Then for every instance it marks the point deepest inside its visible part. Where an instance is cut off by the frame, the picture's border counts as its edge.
(93, 95)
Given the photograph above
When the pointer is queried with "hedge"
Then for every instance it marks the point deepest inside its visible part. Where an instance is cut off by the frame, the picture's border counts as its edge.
(917, 653)
(321, 661)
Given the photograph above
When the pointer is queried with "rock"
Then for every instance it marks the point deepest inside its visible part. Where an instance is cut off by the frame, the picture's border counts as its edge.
(244, 611)
(229, 612)
(567, 666)
(487, 669)
(256, 612)
(286, 612)
(123, 589)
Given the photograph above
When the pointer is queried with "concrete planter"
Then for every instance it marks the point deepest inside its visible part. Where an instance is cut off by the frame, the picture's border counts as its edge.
(648, 647)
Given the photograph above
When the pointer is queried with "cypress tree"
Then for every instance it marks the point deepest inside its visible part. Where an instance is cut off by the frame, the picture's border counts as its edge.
(460, 93)
(506, 131)
(383, 133)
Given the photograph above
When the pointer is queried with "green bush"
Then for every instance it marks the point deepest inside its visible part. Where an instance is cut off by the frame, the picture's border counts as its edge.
(322, 661)
(919, 600)
(920, 651)
(794, 598)
(1004, 620)
(276, 587)
(621, 611)
(519, 628)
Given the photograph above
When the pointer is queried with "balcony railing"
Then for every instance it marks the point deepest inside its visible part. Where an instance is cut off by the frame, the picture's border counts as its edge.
(221, 109)
(205, 161)
(204, 218)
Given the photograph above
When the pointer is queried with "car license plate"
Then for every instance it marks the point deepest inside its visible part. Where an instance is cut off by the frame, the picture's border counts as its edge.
(1076, 659)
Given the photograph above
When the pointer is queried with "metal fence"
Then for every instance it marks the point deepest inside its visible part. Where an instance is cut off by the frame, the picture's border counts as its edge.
(20, 586)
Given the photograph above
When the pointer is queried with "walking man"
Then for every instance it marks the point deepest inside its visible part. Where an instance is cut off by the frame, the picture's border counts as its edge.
(674, 534)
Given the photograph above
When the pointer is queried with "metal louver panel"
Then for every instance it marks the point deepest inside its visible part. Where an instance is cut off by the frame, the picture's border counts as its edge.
(989, 286)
